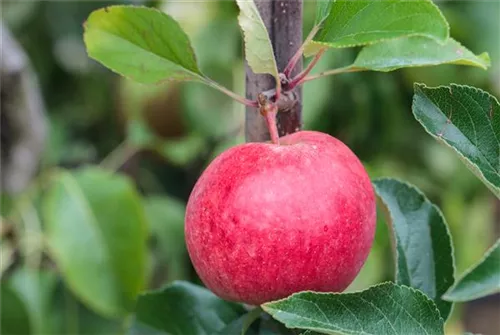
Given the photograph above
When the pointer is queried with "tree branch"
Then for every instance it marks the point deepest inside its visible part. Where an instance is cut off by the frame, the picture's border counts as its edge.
(283, 20)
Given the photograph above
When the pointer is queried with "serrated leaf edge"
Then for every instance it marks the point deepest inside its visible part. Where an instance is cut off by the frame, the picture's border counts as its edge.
(440, 41)
(246, 39)
(419, 86)
(469, 270)
(427, 299)
(438, 210)
(194, 76)
(482, 61)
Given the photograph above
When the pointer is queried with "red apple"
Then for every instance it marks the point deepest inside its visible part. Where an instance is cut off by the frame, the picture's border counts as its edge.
(266, 220)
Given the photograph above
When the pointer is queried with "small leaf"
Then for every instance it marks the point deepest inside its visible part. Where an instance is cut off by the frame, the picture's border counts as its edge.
(416, 51)
(466, 119)
(360, 22)
(14, 317)
(96, 233)
(424, 255)
(241, 326)
(181, 151)
(258, 47)
(383, 309)
(184, 308)
(480, 280)
(166, 220)
(323, 8)
(141, 43)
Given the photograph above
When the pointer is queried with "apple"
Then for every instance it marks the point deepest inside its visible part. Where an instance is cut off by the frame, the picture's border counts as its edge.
(267, 220)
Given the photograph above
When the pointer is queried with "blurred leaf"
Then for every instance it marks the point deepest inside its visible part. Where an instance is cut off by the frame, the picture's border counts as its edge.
(35, 288)
(352, 23)
(383, 309)
(224, 145)
(14, 320)
(166, 219)
(140, 43)
(139, 133)
(96, 233)
(480, 280)
(226, 35)
(6, 205)
(242, 324)
(416, 51)
(184, 150)
(184, 308)
(317, 94)
(468, 120)
(323, 8)
(258, 47)
(424, 255)
(70, 316)
(140, 329)
(7, 252)
(209, 112)
(17, 13)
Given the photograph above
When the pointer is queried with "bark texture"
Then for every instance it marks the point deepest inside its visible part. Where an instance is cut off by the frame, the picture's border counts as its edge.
(283, 20)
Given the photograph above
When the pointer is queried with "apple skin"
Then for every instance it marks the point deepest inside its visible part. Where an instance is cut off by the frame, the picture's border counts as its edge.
(265, 220)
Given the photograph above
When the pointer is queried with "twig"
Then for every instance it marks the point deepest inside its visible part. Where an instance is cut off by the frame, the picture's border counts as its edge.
(231, 94)
(296, 57)
(119, 156)
(297, 80)
(331, 73)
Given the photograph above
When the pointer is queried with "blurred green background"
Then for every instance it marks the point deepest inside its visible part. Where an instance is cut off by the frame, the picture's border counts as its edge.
(95, 115)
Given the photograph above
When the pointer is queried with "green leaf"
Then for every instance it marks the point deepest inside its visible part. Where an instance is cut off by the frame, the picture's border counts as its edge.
(7, 253)
(323, 8)
(181, 151)
(480, 280)
(383, 309)
(184, 308)
(138, 328)
(242, 324)
(258, 47)
(360, 22)
(96, 233)
(14, 320)
(416, 51)
(424, 254)
(466, 119)
(141, 43)
(6, 203)
(35, 288)
(69, 316)
(166, 220)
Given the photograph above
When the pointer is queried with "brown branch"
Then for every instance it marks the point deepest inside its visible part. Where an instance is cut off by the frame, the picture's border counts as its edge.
(283, 20)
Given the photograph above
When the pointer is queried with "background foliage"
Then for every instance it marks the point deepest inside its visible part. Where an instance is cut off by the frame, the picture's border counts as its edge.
(91, 109)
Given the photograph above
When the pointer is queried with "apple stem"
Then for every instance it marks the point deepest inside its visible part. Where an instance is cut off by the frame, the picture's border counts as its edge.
(296, 57)
(299, 79)
(240, 99)
(278, 88)
(330, 73)
(270, 116)
(269, 110)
